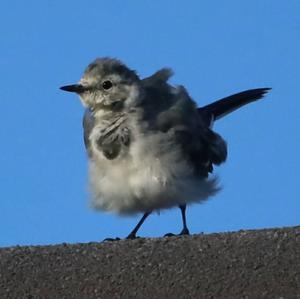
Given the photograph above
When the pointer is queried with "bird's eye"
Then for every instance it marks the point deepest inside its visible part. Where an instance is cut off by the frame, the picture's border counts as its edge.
(107, 84)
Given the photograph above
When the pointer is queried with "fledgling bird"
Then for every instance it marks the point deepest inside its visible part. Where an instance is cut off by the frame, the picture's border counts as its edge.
(149, 146)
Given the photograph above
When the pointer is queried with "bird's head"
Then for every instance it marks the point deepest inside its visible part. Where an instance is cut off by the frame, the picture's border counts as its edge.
(107, 84)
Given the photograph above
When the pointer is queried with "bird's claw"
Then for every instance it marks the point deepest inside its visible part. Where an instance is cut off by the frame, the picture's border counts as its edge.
(184, 232)
(132, 237)
(111, 239)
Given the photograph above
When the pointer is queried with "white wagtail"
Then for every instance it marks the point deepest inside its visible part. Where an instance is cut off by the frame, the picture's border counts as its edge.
(149, 146)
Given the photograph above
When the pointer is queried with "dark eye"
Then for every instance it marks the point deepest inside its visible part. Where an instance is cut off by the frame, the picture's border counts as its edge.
(107, 84)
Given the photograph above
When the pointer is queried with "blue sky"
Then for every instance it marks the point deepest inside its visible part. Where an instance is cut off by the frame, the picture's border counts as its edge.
(216, 48)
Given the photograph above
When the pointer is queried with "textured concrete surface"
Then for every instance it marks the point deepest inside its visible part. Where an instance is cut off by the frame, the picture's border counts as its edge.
(245, 264)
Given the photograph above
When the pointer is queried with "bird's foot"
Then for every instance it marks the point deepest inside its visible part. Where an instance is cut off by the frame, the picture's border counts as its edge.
(111, 239)
(170, 235)
(131, 237)
(184, 232)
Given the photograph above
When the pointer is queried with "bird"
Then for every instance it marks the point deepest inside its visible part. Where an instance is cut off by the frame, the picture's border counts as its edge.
(149, 146)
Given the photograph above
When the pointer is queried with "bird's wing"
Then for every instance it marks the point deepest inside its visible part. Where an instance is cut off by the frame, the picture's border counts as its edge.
(221, 108)
(88, 124)
(199, 143)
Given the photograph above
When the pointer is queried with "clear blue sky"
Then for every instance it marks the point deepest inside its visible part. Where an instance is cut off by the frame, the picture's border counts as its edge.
(216, 48)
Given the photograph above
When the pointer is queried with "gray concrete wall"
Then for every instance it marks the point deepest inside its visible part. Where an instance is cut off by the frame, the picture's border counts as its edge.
(245, 264)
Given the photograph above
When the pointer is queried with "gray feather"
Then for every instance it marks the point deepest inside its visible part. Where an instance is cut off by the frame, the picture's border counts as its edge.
(149, 146)
(161, 76)
(114, 137)
(88, 125)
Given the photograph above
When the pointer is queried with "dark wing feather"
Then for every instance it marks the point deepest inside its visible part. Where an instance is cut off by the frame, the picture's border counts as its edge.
(203, 150)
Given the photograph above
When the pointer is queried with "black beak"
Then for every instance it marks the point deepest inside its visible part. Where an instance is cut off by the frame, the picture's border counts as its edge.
(78, 88)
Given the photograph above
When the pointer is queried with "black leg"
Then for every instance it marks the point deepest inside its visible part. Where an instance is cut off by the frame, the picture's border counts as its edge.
(132, 235)
(185, 230)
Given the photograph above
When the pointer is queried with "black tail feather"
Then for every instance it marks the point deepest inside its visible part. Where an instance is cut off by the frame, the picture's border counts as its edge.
(229, 104)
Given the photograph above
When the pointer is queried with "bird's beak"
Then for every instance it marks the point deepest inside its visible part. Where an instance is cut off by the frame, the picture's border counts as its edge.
(78, 88)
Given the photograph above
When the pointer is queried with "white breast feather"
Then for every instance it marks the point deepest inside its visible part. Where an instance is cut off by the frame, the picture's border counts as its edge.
(150, 178)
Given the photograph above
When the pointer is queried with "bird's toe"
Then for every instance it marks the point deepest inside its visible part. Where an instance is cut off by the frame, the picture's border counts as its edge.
(185, 231)
(132, 237)
(111, 239)
(170, 235)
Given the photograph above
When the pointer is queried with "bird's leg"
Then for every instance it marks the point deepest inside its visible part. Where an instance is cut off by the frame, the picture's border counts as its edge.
(185, 230)
(132, 235)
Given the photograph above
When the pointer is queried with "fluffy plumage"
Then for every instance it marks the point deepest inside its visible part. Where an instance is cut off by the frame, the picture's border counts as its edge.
(154, 151)
(149, 146)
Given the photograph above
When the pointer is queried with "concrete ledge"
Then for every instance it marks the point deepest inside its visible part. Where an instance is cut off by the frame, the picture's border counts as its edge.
(244, 264)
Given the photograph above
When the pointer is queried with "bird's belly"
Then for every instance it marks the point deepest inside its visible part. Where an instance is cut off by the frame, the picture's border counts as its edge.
(153, 175)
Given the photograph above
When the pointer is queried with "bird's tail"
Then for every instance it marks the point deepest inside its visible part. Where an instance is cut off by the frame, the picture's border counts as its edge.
(222, 107)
